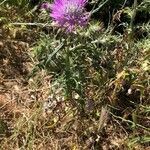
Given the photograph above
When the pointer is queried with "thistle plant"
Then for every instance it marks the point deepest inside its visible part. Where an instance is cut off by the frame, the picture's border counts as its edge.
(69, 16)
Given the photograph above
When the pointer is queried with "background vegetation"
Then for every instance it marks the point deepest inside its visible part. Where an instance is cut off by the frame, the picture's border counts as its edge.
(98, 99)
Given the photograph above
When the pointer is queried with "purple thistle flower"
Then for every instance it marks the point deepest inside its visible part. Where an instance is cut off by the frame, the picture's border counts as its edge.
(69, 13)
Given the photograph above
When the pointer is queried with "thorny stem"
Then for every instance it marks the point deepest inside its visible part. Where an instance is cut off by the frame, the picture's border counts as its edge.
(68, 74)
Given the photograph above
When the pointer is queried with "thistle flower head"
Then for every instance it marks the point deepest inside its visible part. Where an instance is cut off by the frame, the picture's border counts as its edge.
(69, 13)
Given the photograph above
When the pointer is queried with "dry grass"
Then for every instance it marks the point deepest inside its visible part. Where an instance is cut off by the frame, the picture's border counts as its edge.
(35, 116)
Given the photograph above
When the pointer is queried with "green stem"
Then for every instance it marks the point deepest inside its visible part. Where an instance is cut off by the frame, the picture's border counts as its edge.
(68, 75)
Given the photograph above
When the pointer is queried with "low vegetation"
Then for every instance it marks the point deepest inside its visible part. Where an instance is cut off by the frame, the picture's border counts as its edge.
(86, 88)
